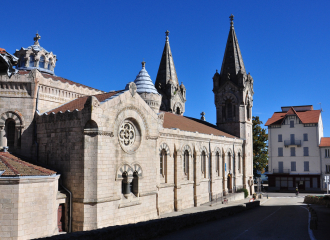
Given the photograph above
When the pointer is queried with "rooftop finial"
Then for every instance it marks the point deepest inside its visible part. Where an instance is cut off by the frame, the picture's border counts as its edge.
(143, 64)
(167, 33)
(231, 20)
(202, 116)
(36, 39)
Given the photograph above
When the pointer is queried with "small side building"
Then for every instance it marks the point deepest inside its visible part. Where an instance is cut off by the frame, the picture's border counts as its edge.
(30, 204)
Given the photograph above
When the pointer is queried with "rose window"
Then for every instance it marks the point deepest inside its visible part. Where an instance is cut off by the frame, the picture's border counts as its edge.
(127, 134)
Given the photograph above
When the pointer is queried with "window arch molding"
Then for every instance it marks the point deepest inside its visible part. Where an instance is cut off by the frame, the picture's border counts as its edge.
(15, 115)
(217, 159)
(165, 147)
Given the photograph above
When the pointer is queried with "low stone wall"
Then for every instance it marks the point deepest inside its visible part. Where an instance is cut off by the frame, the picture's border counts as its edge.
(317, 200)
(155, 228)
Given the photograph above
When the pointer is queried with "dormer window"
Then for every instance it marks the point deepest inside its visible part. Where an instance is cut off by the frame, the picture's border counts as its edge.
(31, 61)
(42, 62)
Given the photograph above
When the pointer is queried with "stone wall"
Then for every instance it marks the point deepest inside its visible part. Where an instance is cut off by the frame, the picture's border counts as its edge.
(28, 207)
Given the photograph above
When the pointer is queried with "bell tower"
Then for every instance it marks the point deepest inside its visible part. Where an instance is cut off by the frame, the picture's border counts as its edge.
(233, 91)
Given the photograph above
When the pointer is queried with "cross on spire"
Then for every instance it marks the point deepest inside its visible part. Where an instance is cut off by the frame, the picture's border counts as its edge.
(167, 33)
(143, 64)
(231, 20)
(36, 39)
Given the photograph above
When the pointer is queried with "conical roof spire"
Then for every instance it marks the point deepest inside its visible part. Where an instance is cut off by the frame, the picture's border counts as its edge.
(143, 81)
(232, 61)
(166, 70)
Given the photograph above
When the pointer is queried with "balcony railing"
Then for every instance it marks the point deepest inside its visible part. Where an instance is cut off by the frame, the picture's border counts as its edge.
(281, 171)
(292, 143)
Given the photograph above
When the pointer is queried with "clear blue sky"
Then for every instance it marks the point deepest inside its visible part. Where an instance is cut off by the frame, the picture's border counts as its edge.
(285, 45)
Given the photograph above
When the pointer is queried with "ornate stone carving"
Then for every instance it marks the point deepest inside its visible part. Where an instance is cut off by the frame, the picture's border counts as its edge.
(126, 134)
(132, 88)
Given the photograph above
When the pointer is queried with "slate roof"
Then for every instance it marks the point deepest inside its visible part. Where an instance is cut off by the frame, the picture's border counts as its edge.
(14, 167)
(63, 80)
(189, 124)
(79, 103)
(325, 142)
(310, 116)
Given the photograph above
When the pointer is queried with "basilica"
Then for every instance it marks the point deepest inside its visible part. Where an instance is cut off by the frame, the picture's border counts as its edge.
(75, 158)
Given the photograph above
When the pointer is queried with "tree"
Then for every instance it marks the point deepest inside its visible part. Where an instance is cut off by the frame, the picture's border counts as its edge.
(260, 148)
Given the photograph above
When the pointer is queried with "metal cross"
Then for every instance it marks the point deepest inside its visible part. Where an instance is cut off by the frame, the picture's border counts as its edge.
(167, 33)
(231, 18)
(36, 38)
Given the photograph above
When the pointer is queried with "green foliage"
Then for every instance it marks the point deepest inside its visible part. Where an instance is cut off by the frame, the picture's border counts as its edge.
(260, 148)
(246, 193)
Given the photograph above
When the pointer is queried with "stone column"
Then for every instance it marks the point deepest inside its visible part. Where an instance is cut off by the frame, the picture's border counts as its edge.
(2, 132)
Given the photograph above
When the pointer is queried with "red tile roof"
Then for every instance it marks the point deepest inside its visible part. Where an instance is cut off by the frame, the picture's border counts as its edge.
(325, 142)
(63, 80)
(14, 166)
(80, 102)
(311, 116)
(186, 124)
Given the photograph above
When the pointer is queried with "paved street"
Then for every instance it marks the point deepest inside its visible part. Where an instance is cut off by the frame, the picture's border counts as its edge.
(282, 216)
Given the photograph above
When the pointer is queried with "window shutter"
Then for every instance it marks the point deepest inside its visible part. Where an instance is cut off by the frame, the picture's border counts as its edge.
(280, 137)
(293, 166)
(306, 151)
(306, 166)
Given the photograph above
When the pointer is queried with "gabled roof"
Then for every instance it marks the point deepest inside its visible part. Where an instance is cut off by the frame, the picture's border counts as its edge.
(166, 70)
(232, 60)
(63, 80)
(188, 124)
(13, 166)
(79, 103)
(311, 116)
(325, 142)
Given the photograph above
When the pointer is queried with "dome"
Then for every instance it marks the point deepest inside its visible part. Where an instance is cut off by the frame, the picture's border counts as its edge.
(144, 83)
(36, 57)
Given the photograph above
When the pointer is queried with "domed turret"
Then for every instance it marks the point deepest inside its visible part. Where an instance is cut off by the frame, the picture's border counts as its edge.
(36, 57)
(147, 90)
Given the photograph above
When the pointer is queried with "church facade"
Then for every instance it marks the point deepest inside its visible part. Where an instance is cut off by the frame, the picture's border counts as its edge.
(129, 155)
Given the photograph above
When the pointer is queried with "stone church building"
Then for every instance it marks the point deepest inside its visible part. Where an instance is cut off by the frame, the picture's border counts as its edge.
(122, 156)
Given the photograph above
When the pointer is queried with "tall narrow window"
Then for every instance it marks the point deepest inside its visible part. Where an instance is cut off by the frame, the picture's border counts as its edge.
(305, 137)
(203, 162)
(22, 61)
(306, 152)
(293, 151)
(248, 111)
(291, 124)
(50, 64)
(186, 162)
(135, 184)
(293, 166)
(31, 61)
(292, 139)
(10, 132)
(42, 62)
(327, 168)
(280, 152)
(280, 137)
(239, 162)
(217, 164)
(280, 167)
(306, 166)
(229, 109)
(327, 153)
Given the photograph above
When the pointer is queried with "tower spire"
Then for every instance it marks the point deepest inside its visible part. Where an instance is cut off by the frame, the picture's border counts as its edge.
(232, 61)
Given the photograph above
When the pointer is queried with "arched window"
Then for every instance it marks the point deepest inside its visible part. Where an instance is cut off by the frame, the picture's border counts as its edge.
(50, 64)
(248, 111)
(125, 186)
(229, 109)
(42, 62)
(217, 163)
(31, 61)
(239, 162)
(162, 163)
(178, 110)
(203, 163)
(229, 161)
(186, 162)
(135, 184)
(10, 133)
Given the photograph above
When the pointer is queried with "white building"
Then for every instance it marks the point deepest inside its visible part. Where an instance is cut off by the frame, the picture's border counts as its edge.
(294, 137)
(325, 160)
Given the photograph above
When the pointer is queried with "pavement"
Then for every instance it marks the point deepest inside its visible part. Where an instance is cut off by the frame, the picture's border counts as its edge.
(323, 213)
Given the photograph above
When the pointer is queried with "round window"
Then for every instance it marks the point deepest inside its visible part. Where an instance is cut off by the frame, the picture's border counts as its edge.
(129, 136)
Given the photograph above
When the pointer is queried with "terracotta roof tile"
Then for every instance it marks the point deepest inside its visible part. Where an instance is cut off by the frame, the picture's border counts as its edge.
(14, 166)
(80, 102)
(187, 124)
(63, 80)
(325, 142)
(311, 116)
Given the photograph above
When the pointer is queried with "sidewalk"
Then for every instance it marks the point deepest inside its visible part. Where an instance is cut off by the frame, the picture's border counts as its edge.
(210, 206)
(323, 215)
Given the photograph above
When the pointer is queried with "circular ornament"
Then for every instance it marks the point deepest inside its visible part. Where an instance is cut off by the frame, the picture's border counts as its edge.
(126, 134)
